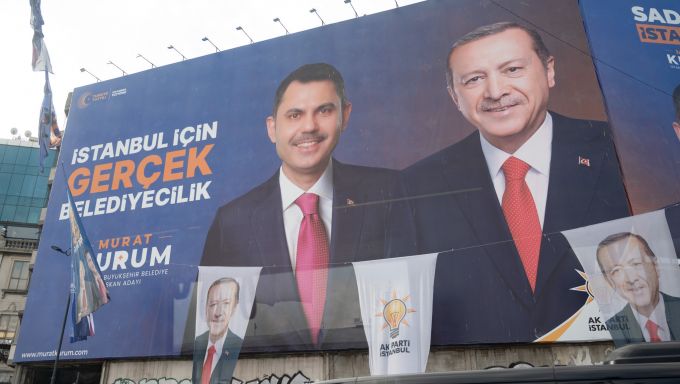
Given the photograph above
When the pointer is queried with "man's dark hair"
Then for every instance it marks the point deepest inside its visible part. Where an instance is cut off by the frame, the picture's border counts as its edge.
(493, 29)
(676, 102)
(619, 237)
(308, 73)
(225, 280)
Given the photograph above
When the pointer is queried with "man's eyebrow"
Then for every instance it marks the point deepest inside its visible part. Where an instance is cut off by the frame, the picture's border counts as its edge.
(471, 72)
(326, 105)
(218, 300)
(293, 110)
(521, 60)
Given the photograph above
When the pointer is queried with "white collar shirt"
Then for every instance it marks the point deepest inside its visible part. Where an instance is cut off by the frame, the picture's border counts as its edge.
(292, 214)
(536, 152)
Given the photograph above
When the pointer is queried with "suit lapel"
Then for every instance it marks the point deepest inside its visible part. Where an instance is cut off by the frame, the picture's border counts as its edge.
(672, 315)
(229, 355)
(480, 206)
(632, 333)
(200, 347)
(267, 224)
(346, 230)
(347, 218)
(571, 189)
(573, 184)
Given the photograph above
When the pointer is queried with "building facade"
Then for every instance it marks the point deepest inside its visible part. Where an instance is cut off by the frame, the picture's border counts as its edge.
(23, 194)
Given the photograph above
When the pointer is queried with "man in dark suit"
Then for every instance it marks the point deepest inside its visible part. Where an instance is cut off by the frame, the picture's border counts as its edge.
(630, 267)
(497, 200)
(267, 225)
(216, 350)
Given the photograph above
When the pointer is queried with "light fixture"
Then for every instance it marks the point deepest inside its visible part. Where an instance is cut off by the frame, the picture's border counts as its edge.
(239, 28)
(85, 70)
(313, 10)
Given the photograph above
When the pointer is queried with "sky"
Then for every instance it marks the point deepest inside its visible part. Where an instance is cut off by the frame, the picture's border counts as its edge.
(89, 34)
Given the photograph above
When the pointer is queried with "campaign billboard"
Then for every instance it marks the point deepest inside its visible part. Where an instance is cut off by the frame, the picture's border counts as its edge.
(211, 162)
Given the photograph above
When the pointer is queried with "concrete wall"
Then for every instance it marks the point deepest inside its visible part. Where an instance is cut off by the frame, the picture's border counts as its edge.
(324, 366)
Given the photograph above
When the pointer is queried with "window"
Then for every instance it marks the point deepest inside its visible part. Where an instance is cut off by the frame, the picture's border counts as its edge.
(19, 278)
(8, 327)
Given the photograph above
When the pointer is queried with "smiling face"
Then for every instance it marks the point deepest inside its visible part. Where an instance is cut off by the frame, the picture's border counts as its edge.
(501, 86)
(632, 273)
(219, 308)
(306, 129)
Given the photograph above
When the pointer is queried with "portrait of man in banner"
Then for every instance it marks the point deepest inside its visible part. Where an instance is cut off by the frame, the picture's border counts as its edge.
(216, 350)
(225, 301)
(631, 269)
(633, 275)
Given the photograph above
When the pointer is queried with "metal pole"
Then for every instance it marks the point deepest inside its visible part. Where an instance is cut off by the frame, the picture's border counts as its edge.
(147, 60)
(61, 338)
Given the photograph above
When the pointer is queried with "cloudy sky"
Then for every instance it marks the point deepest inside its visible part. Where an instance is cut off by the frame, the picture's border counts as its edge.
(90, 34)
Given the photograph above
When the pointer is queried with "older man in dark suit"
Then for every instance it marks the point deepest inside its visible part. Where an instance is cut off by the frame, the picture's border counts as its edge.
(216, 350)
(631, 269)
(498, 199)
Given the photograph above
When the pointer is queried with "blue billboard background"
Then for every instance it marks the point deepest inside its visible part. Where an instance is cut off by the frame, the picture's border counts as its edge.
(393, 64)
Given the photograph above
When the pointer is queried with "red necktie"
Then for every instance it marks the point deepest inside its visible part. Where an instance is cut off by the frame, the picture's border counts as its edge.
(311, 264)
(653, 329)
(207, 366)
(521, 215)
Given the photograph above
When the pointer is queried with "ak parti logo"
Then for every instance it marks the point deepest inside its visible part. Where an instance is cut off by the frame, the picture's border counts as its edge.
(394, 311)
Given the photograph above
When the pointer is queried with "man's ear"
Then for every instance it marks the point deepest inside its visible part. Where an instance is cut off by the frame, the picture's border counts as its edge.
(610, 283)
(676, 127)
(550, 71)
(346, 112)
(452, 93)
(271, 129)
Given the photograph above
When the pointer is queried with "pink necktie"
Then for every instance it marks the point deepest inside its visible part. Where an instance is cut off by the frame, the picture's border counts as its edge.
(207, 366)
(521, 215)
(653, 329)
(311, 265)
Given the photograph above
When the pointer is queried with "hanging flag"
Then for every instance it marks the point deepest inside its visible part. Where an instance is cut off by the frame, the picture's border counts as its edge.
(36, 16)
(41, 58)
(48, 128)
(395, 296)
(88, 290)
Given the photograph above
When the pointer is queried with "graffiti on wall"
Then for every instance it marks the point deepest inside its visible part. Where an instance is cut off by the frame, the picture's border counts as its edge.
(297, 378)
(163, 380)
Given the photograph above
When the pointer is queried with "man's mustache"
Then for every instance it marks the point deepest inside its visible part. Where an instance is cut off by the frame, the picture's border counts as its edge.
(504, 102)
(307, 137)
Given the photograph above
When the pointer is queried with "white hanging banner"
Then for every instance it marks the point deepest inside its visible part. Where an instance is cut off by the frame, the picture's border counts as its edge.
(396, 308)
(631, 269)
(225, 297)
